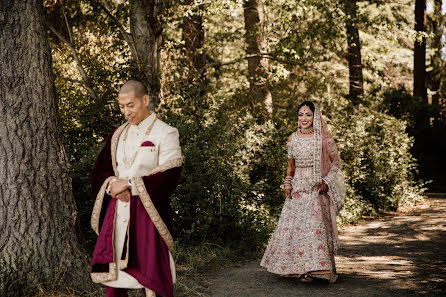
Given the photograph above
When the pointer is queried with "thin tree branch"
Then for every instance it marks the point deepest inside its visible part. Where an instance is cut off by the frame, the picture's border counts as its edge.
(127, 36)
(81, 69)
(68, 26)
(76, 81)
(261, 55)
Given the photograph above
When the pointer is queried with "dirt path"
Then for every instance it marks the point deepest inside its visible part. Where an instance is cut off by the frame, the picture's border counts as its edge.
(398, 255)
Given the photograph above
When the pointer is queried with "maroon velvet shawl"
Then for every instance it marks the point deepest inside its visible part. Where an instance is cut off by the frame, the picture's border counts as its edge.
(148, 257)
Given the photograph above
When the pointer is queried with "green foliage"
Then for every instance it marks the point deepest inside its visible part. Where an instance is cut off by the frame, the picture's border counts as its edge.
(235, 160)
(426, 124)
(377, 163)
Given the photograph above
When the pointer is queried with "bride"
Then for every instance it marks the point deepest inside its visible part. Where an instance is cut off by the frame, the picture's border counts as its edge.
(306, 238)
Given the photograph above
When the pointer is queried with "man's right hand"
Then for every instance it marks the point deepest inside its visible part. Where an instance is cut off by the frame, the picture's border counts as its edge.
(124, 196)
(118, 186)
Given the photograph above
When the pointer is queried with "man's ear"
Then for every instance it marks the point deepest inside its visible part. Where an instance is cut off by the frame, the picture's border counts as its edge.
(146, 99)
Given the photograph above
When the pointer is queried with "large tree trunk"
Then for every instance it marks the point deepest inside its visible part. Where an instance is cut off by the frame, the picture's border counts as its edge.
(354, 52)
(193, 36)
(259, 93)
(419, 72)
(436, 75)
(37, 211)
(146, 28)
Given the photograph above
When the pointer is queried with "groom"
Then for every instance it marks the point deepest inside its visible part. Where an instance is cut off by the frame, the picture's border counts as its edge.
(132, 179)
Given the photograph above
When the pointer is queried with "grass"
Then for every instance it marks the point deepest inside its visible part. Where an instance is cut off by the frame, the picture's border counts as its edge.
(192, 263)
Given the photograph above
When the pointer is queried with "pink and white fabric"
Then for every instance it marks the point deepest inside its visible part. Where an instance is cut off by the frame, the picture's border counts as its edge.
(306, 237)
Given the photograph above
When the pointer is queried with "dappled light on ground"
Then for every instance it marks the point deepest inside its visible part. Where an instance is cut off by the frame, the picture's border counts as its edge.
(396, 255)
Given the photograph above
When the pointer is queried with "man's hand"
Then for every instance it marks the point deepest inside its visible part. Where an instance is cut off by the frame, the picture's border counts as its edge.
(118, 186)
(124, 196)
(323, 188)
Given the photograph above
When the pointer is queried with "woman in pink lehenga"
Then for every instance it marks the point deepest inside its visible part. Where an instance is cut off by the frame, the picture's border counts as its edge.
(306, 238)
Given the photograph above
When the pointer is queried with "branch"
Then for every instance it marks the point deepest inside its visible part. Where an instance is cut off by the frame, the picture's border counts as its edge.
(79, 82)
(81, 69)
(238, 60)
(264, 55)
(68, 26)
(127, 36)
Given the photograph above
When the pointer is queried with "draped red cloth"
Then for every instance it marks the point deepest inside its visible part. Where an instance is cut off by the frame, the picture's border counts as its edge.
(148, 253)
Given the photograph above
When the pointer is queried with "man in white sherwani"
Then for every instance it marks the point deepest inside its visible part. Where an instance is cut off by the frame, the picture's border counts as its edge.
(133, 176)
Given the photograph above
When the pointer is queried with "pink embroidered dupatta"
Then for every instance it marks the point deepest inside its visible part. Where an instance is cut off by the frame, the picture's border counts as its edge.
(328, 168)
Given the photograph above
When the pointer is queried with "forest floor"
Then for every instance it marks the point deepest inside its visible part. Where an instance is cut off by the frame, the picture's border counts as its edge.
(399, 254)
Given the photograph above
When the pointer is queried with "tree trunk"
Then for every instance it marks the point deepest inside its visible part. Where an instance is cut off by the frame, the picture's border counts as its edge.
(37, 210)
(259, 94)
(419, 72)
(354, 52)
(193, 36)
(436, 76)
(146, 28)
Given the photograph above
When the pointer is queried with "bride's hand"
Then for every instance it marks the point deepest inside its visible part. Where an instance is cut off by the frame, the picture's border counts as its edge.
(323, 188)
(287, 192)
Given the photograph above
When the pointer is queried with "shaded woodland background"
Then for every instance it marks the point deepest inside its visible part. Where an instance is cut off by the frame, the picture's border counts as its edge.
(229, 74)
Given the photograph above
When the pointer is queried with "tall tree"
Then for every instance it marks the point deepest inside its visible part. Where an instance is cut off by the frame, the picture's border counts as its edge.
(435, 76)
(259, 92)
(193, 36)
(354, 52)
(37, 211)
(146, 28)
(419, 72)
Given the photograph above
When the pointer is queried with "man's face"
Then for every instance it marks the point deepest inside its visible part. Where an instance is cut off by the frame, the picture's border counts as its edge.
(133, 108)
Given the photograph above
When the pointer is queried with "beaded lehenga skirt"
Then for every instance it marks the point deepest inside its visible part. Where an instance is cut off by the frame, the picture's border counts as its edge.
(302, 241)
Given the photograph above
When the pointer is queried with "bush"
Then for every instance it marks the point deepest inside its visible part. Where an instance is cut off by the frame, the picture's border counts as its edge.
(378, 166)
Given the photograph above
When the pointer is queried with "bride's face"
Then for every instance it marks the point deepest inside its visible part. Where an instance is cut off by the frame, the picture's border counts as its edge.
(305, 117)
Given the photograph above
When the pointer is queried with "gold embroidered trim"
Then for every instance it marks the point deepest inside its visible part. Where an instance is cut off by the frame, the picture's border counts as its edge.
(167, 165)
(112, 274)
(114, 145)
(101, 277)
(153, 213)
(124, 263)
(148, 204)
(96, 213)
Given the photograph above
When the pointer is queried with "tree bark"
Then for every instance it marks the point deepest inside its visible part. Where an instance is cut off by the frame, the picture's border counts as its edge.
(193, 36)
(37, 210)
(146, 28)
(354, 52)
(419, 73)
(259, 94)
(436, 75)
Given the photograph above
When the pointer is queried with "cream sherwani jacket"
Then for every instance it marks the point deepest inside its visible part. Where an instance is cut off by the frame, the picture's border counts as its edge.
(166, 147)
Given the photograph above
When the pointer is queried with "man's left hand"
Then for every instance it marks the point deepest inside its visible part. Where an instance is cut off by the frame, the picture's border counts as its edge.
(118, 186)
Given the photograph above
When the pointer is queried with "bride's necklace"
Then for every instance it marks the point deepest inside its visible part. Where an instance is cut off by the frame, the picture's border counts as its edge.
(129, 162)
(308, 130)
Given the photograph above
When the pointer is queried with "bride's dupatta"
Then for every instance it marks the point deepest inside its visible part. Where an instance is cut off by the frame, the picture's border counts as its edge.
(328, 168)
